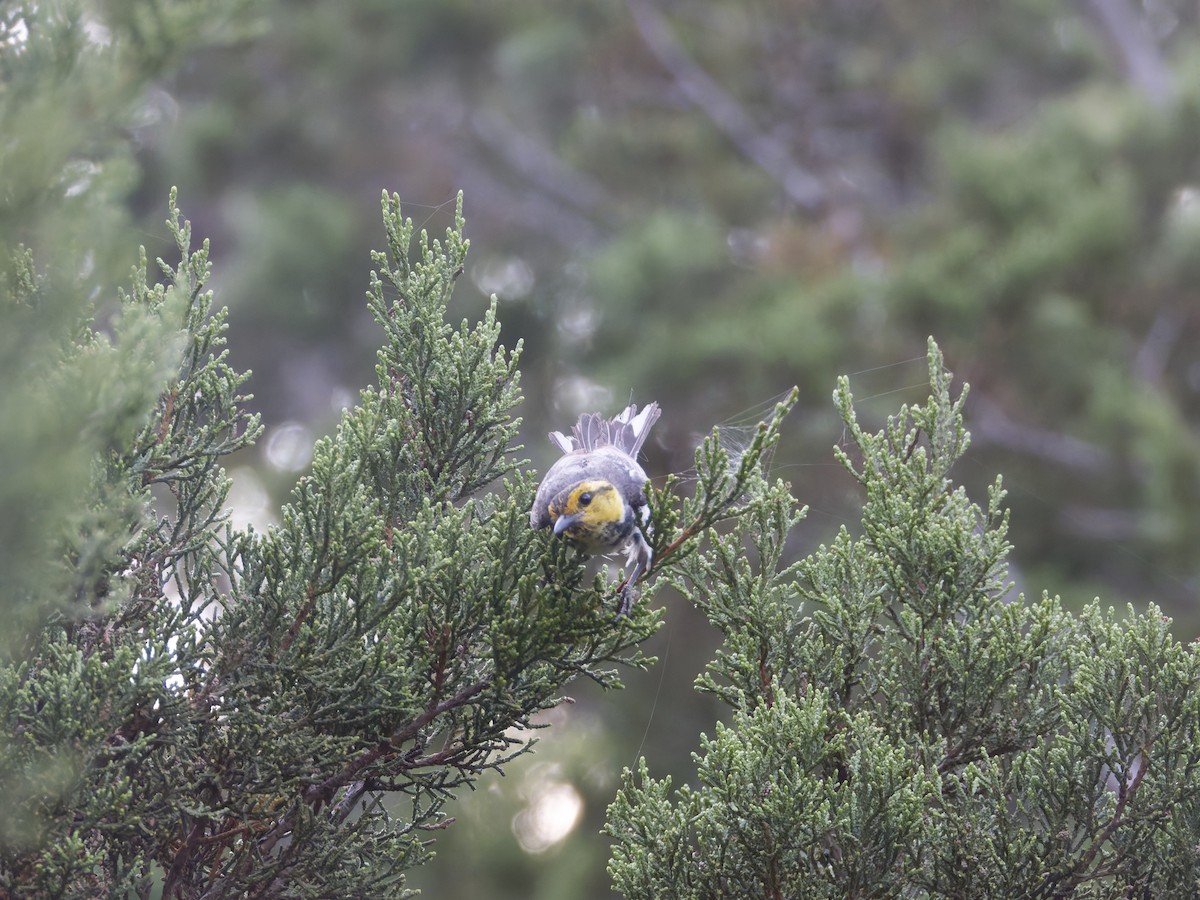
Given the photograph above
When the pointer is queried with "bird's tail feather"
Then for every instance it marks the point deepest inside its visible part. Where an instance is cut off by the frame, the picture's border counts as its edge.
(626, 431)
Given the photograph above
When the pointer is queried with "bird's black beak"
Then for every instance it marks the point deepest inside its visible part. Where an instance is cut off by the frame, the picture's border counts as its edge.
(562, 523)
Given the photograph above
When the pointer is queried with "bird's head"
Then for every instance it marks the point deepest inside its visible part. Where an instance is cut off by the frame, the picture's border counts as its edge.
(588, 512)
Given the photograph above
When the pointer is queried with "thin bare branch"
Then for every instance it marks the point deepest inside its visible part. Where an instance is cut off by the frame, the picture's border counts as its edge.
(992, 425)
(539, 165)
(1140, 55)
(773, 157)
(1152, 356)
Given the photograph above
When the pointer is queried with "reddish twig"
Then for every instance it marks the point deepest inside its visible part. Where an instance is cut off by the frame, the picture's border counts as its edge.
(299, 620)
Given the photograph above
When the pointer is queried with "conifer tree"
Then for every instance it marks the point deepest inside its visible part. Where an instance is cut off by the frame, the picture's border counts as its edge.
(233, 713)
(903, 725)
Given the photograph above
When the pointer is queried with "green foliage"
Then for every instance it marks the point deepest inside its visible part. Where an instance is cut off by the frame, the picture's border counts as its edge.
(81, 373)
(94, 708)
(904, 727)
(287, 713)
(764, 817)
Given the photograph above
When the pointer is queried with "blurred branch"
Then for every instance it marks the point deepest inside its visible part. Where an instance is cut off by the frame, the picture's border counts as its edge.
(1165, 332)
(1127, 36)
(992, 425)
(533, 212)
(798, 183)
(1097, 524)
(538, 164)
(547, 197)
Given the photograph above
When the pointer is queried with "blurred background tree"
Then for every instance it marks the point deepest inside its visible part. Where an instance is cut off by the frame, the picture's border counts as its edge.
(703, 204)
(73, 99)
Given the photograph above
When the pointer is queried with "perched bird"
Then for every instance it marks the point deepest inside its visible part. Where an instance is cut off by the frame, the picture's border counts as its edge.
(595, 494)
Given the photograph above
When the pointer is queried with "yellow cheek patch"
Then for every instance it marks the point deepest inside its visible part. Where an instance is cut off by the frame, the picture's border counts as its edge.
(597, 504)
(605, 506)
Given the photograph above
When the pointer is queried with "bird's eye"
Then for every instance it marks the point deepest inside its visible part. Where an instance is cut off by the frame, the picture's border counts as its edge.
(585, 498)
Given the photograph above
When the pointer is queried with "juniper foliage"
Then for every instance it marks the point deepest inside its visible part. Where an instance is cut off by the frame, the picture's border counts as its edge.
(904, 726)
(232, 713)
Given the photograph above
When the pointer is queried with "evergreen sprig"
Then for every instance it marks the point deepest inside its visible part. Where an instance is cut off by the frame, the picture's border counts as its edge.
(727, 485)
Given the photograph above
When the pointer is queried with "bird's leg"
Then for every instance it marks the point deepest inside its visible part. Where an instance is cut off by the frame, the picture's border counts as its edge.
(639, 555)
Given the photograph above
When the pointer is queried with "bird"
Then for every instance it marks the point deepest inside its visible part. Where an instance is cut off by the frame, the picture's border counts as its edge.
(594, 494)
